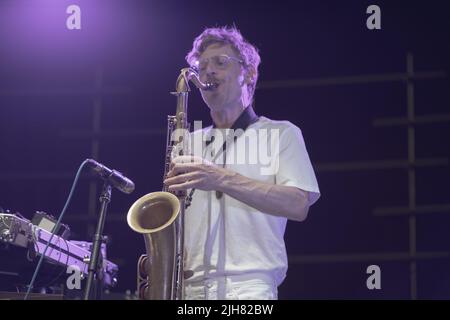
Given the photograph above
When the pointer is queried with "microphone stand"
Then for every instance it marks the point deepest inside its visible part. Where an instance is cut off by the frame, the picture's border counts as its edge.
(95, 264)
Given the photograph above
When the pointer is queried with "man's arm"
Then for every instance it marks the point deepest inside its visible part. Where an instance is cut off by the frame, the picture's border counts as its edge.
(192, 172)
(284, 201)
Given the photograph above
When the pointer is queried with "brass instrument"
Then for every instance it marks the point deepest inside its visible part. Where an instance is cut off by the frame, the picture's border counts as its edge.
(159, 216)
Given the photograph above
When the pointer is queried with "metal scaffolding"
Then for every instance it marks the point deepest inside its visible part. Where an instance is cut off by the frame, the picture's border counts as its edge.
(410, 121)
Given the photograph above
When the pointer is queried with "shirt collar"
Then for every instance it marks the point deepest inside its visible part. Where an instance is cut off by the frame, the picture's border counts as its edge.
(245, 119)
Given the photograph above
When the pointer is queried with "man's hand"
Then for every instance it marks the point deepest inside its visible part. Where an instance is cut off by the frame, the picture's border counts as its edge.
(189, 172)
(193, 172)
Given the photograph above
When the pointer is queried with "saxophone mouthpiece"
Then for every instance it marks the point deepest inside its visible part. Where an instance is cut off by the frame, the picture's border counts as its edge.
(210, 85)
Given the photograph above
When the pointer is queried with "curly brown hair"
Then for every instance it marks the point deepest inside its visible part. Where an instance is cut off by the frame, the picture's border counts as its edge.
(247, 52)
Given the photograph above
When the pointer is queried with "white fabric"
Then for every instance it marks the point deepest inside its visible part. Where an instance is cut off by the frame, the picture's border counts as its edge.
(239, 287)
(225, 237)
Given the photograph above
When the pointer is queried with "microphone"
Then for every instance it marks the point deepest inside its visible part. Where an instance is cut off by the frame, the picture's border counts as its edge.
(115, 178)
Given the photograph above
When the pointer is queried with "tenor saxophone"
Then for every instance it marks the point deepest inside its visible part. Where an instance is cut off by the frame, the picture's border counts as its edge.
(159, 216)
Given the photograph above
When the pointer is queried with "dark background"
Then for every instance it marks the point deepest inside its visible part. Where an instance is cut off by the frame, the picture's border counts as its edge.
(120, 67)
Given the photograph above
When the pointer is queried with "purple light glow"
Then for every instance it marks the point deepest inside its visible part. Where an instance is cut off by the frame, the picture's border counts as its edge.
(36, 30)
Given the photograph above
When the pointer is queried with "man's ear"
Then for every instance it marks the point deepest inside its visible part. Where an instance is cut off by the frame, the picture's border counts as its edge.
(249, 75)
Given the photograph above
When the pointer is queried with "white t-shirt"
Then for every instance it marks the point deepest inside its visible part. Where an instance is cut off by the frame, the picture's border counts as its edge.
(224, 236)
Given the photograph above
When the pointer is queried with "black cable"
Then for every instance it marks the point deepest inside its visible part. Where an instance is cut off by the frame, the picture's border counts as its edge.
(38, 267)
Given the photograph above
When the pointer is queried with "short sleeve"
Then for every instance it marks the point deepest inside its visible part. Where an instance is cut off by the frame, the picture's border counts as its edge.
(295, 168)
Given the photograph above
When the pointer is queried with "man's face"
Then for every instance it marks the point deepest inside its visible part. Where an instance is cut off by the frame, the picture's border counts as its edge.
(229, 77)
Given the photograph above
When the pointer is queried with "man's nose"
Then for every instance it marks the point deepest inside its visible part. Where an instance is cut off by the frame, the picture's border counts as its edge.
(210, 70)
(209, 74)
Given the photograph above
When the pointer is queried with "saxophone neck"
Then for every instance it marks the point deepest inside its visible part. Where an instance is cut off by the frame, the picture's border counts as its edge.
(190, 74)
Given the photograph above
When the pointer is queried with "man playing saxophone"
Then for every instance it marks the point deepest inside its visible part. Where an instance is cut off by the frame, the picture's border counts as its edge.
(235, 224)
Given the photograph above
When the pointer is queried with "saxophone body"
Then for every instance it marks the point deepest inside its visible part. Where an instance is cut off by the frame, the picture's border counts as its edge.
(159, 216)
